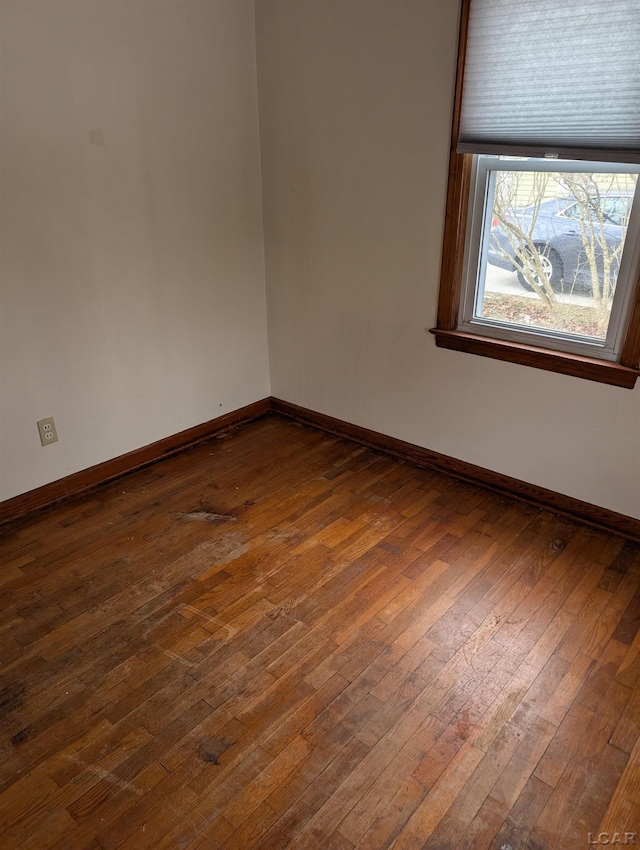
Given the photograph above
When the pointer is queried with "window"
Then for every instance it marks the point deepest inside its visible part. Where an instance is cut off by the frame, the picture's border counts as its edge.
(543, 256)
(541, 259)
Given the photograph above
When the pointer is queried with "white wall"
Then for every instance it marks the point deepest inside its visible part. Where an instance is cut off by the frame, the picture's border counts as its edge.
(132, 281)
(132, 301)
(355, 110)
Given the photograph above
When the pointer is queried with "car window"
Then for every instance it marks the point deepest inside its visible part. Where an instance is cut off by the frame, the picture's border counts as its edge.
(573, 212)
(576, 212)
(616, 210)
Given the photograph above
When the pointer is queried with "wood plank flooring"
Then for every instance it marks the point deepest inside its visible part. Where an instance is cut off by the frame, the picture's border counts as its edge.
(282, 639)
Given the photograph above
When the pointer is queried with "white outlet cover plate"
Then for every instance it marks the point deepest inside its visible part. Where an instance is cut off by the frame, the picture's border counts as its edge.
(47, 431)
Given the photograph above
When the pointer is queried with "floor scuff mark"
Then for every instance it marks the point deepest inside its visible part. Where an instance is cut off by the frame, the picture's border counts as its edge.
(211, 750)
(208, 516)
(105, 774)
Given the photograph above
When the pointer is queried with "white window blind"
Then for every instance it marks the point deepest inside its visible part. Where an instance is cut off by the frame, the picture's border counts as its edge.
(553, 77)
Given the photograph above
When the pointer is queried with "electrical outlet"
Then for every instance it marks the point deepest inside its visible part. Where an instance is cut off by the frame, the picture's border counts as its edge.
(47, 429)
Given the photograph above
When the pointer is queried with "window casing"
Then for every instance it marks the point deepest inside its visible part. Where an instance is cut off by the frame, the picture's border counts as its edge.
(612, 356)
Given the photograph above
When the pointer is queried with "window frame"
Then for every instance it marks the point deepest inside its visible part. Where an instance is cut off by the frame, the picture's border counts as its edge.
(622, 372)
(482, 181)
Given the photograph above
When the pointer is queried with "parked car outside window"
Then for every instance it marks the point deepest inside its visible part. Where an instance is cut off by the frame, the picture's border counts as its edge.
(554, 227)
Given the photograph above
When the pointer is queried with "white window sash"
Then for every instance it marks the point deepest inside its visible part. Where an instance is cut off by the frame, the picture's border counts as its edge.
(477, 241)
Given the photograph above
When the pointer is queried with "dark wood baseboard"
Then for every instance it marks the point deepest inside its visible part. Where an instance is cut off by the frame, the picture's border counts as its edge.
(86, 479)
(79, 482)
(585, 512)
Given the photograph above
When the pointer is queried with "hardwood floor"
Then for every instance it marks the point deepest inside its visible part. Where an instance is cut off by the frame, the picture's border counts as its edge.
(282, 639)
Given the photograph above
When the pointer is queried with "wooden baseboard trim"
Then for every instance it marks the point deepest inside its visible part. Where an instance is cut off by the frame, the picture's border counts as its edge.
(584, 512)
(79, 482)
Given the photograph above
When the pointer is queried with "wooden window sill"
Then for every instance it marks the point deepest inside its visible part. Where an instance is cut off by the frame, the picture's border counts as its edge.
(590, 368)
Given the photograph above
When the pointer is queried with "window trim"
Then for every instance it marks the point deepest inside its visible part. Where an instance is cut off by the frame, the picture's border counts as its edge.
(477, 237)
(622, 373)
